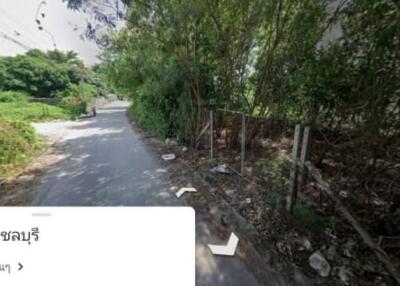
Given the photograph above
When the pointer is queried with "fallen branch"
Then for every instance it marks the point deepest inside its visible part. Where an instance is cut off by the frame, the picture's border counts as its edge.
(379, 252)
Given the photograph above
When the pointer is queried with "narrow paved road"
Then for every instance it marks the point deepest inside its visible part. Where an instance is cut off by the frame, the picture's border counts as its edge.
(108, 165)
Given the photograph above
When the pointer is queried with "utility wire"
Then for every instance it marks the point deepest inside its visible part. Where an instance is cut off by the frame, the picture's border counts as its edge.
(16, 21)
(17, 33)
(11, 39)
(21, 27)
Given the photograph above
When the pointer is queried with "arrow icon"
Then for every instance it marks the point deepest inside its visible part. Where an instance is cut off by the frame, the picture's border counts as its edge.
(226, 250)
(20, 266)
(184, 190)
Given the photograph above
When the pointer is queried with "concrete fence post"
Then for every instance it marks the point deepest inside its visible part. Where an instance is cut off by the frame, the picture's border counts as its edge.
(304, 155)
(294, 171)
(243, 145)
(212, 134)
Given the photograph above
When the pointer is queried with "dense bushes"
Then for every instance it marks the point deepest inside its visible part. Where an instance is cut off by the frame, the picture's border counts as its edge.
(331, 64)
(155, 103)
(75, 99)
(18, 143)
(60, 78)
(74, 105)
(32, 111)
(18, 140)
(48, 74)
(32, 75)
(13, 96)
(54, 74)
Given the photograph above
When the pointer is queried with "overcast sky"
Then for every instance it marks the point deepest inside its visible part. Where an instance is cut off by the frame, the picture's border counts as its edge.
(17, 20)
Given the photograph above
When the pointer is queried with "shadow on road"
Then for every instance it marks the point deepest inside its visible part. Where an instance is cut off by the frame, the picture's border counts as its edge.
(107, 164)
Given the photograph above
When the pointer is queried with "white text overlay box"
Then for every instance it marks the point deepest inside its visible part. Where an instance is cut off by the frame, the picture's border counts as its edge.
(97, 246)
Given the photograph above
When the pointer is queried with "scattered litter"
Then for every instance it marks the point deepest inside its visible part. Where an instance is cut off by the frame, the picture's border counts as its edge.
(378, 202)
(86, 115)
(221, 169)
(169, 141)
(320, 264)
(230, 194)
(174, 189)
(243, 204)
(284, 248)
(344, 194)
(168, 157)
(185, 149)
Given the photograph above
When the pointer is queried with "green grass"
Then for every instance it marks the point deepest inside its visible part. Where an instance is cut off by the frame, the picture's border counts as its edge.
(18, 140)
(32, 111)
(13, 96)
(18, 144)
(277, 173)
(306, 217)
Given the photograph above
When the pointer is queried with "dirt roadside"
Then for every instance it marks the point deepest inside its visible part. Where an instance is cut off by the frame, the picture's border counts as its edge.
(274, 241)
(267, 263)
(20, 190)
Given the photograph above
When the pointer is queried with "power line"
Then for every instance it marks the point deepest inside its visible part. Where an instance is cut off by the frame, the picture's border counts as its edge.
(15, 20)
(16, 25)
(18, 33)
(20, 26)
(11, 39)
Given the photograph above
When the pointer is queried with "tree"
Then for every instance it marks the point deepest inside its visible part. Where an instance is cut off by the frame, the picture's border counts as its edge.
(38, 73)
(258, 57)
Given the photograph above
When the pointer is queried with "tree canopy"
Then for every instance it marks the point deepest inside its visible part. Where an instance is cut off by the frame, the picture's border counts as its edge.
(47, 74)
(39, 74)
(266, 58)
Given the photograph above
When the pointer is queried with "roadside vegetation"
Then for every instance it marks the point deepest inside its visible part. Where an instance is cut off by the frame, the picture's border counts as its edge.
(36, 87)
(331, 65)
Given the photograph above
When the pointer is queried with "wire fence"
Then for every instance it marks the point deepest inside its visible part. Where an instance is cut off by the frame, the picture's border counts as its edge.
(241, 137)
(336, 170)
(350, 161)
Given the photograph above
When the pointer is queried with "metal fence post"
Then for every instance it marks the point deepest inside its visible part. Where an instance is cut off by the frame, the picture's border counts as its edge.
(243, 145)
(294, 171)
(212, 134)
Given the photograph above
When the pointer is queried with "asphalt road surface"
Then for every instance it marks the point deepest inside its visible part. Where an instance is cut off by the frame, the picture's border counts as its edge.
(106, 164)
